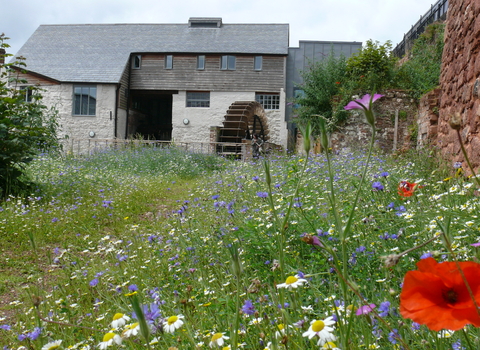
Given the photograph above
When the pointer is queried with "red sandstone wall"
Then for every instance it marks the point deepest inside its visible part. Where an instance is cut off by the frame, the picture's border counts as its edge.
(460, 81)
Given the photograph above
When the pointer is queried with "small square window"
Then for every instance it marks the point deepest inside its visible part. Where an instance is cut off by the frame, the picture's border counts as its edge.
(201, 62)
(258, 62)
(137, 62)
(198, 99)
(228, 63)
(268, 101)
(168, 62)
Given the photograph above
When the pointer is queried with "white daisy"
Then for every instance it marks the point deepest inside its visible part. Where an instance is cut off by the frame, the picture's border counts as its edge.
(217, 339)
(322, 329)
(119, 320)
(292, 282)
(52, 345)
(109, 339)
(172, 323)
(330, 345)
(131, 329)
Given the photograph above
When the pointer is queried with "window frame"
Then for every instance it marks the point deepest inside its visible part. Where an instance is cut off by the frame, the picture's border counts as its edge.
(269, 101)
(228, 62)
(27, 91)
(201, 59)
(137, 62)
(197, 99)
(168, 62)
(89, 98)
(257, 60)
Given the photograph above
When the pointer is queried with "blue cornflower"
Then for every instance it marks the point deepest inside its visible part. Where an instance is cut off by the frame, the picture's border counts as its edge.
(132, 288)
(377, 186)
(93, 282)
(384, 309)
(426, 255)
(384, 174)
(248, 308)
(262, 194)
(393, 336)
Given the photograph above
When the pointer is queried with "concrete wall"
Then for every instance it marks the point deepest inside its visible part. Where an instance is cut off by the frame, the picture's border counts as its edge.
(202, 119)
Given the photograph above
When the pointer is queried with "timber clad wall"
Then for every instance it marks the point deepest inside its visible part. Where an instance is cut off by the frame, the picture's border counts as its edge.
(184, 76)
(122, 103)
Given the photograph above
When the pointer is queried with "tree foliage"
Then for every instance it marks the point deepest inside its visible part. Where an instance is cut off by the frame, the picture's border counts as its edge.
(322, 81)
(421, 72)
(27, 127)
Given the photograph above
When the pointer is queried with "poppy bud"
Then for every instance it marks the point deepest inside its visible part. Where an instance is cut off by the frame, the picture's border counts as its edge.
(455, 121)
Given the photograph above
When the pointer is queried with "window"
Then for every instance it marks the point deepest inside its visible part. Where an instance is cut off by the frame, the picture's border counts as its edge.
(198, 99)
(137, 62)
(201, 62)
(85, 100)
(227, 63)
(27, 91)
(257, 62)
(268, 101)
(168, 62)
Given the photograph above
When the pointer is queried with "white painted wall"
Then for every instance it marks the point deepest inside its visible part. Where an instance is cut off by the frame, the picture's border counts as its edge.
(201, 119)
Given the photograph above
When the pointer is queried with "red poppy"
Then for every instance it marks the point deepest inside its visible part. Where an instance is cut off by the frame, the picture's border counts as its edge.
(406, 189)
(435, 295)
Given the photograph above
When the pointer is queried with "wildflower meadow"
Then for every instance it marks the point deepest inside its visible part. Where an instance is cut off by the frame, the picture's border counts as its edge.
(155, 248)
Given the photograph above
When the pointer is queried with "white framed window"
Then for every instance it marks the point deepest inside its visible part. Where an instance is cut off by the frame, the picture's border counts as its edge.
(169, 62)
(84, 100)
(268, 101)
(27, 92)
(257, 62)
(137, 62)
(201, 62)
(228, 62)
(198, 99)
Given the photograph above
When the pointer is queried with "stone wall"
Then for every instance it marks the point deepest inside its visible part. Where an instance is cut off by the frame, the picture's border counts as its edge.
(356, 132)
(460, 81)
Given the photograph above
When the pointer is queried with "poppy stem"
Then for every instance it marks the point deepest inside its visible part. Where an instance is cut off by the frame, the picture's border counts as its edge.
(468, 340)
(466, 157)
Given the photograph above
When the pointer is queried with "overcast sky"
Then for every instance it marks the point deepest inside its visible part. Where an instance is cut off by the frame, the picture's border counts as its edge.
(324, 20)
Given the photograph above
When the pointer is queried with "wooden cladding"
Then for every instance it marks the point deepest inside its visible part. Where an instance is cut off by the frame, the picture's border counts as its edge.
(185, 76)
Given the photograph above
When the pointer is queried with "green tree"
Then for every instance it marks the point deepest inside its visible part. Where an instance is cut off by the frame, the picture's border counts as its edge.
(27, 127)
(323, 86)
(373, 68)
(421, 71)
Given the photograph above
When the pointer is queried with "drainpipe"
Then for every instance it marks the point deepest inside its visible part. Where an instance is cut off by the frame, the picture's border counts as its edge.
(117, 96)
(128, 94)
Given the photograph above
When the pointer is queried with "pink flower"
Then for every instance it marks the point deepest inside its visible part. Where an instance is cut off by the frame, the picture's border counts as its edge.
(365, 309)
(363, 103)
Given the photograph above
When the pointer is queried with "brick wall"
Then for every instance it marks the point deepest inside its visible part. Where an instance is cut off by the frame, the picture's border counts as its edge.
(460, 81)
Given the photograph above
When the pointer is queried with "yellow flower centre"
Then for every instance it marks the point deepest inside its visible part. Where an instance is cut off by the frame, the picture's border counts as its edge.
(329, 345)
(216, 336)
(108, 336)
(291, 280)
(133, 325)
(281, 326)
(317, 326)
(117, 316)
(172, 320)
(53, 347)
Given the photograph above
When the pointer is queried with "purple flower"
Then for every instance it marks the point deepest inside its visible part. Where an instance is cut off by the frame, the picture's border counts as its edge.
(248, 308)
(262, 194)
(393, 336)
(475, 244)
(426, 255)
(93, 282)
(365, 309)
(365, 105)
(377, 186)
(132, 288)
(384, 309)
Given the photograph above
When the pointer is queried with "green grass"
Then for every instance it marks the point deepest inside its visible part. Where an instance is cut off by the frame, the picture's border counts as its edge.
(169, 222)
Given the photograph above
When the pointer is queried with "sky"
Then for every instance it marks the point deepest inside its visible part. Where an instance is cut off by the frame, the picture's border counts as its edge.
(323, 20)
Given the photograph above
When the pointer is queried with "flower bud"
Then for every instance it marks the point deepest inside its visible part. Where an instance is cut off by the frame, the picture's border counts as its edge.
(455, 121)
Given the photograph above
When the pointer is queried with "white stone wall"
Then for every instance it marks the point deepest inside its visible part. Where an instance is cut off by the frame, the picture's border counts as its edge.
(74, 128)
(201, 119)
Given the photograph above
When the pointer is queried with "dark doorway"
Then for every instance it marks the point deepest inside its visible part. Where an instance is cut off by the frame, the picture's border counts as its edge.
(151, 115)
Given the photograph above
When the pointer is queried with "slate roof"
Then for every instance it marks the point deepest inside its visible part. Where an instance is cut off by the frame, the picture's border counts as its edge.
(99, 52)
